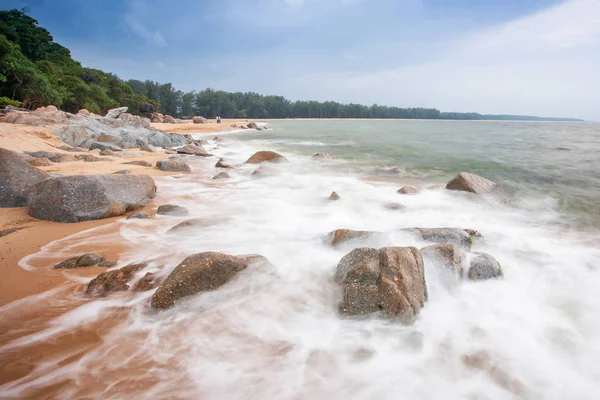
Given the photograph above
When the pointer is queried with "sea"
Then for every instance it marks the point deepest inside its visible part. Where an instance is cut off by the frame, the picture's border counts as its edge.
(274, 332)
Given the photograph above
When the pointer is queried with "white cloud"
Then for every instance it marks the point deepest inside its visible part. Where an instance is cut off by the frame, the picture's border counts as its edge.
(152, 38)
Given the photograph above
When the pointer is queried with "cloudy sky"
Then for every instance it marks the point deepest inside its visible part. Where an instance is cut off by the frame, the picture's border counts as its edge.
(534, 57)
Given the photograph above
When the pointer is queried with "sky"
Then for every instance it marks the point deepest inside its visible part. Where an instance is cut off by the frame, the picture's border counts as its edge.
(528, 57)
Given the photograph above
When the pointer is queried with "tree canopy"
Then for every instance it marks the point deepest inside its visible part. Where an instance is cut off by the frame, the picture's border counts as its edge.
(36, 71)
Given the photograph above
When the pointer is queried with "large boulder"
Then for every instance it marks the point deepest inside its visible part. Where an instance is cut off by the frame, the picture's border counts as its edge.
(147, 109)
(252, 125)
(471, 183)
(266, 156)
(88, 197)
(49, 115)
(115, 112)
(113, 281)
(17, 179)
(199, 273)
(199, 120)
(167, 119)
(176, 164)
(459, 237)
(483, 266)
(391, 279)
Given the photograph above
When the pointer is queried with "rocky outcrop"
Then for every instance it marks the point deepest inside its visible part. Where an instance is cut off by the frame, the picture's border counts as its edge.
(459, 237)
(115, 112)
(39, 162)
(391, 279)
(83, 111)
(139, 215)
(221, 175)
(483, 266)
(266, 156)
(176, 164)
(408, 190)
(17, 179)
(107, 153)
(192, 224)
(346, 236)
(157, 117)
(88, 197)
(147, 109)
(113, 281)
(104, 146)
(173, 210)
(192, 149)
(49, 115)
(334, 196)
(471, 183)
(323, 156)
(446, 256)
(199, 120)
(86, 260)
(134, 120)
(54, 157)
(199, 273)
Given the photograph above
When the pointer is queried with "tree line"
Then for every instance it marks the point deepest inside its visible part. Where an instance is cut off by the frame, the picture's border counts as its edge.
(36, 71)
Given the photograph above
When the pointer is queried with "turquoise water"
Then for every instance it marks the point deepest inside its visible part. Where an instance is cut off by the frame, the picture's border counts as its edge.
(556, 160)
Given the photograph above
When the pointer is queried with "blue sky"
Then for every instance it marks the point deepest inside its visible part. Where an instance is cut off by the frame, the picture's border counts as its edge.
(539, 57)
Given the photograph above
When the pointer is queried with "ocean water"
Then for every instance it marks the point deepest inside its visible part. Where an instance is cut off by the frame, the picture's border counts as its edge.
(274, 331)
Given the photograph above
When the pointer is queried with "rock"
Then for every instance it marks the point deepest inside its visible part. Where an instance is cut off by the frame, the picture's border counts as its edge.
(408, 190)
(199, 120)
(173, 165)
(252, 125)
(221, 175)
(266, 156)
(390, 279)
(141, 163)
(54, 157)
(196, 274)
(104, 146)
(113, 281)
(221, 164)
(157, 117)
(192, 224)
(322, 155)
(147, 109)
(88, 197)
(342, 236)
(173, 210)
(395, 206)
(263, 171)
(87, 158)
(86, 260)
(193, 150)
(115, 112)
(218, 139)
(4, 232)
(456, 236)
(146, 147)
(148, 282)
(139, 215)
(170, 152)
(39, 162)
(334, 196)
(483, 266)
(72, 149)
(447, 256)
(471, 183)
(106, 153)
(123, 172)
(17, 179)
(83, 111)
(201, 142)
(106, 139)
(168, 120)
(243, 127)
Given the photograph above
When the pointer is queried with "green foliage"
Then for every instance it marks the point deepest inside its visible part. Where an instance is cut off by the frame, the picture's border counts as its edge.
(5, 101)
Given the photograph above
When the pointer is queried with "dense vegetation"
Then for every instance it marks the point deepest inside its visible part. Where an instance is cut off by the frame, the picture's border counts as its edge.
(36, 71)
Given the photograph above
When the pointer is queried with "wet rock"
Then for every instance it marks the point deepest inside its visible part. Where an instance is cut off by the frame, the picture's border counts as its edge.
(192, 149)
(88, 197)
(107, 153)
(266, 156)
(322, 156)
(176, 164)
(86, 260)
(391, 279)
(408, 190)
(115, 112)
(447, 256)
(113, 281)
(201, 142)
(196, 274)
(173, 210)
(191, 224)
(334, 196)
(5, 232)
(456, 236)
(139, 215)
(252, 125)
(123, 172)
(221, 175)
(17, 179)
(263, 171)
(170, 152)
(468, 182)
(39, 162)
(199, 120)
(484, 266)
(344, 236)
(141, 163)
(218, 139)
(221, 164)
(395, 206)
(148, 282)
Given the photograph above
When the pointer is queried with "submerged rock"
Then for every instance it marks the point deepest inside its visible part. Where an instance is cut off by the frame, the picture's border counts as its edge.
(344, 236)
(395, 206)
(199, 273)
(390, 279)
(322, 155)
(176, 164)
(173, 210)
(266, 156)
(141, 163)
(334, 196)
(221, 164)
(17, 179)
(408, 190)
(484, 266)
(87, 197)
(139, 215)
(113, 281)
(456, 236)
(468, 182)
(447, 256)
(86, 260)
(221, 175)
(148, 282)
(252, 125)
